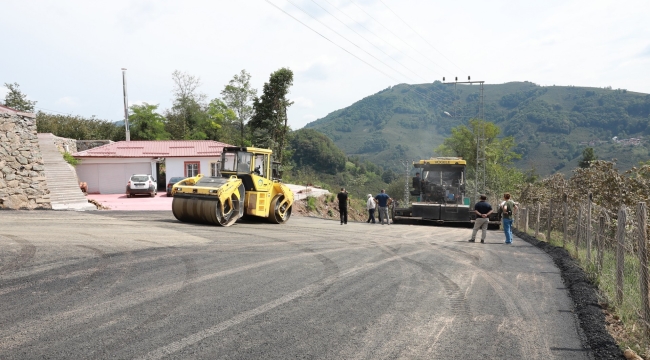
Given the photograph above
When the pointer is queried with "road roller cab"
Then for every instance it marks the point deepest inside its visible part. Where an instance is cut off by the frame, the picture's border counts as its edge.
(249, 185)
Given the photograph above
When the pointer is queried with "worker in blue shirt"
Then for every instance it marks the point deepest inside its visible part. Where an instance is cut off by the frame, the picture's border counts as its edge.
(383, 200)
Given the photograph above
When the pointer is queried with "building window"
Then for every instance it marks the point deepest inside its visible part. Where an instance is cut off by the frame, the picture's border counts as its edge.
(192, 168)
(214, 169)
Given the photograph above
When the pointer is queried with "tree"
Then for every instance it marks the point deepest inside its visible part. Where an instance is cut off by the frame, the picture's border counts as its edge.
(147, 124)
(462, 143)
(77, 127)
(315, 150)
(500, 154)
(238, 95)
(221, 122)
(588, 156)
(15, 99)
(269, 121)
(188, 109)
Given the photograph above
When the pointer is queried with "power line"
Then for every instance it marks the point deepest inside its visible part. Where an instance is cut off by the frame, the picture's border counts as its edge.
(418, 34)
(346, 39)
(409, 45)
(435, 99)
(368, 41)
(324, 37)
(59, 112)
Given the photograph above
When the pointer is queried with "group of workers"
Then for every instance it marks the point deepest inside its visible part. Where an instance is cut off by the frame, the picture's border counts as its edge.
(382, 200)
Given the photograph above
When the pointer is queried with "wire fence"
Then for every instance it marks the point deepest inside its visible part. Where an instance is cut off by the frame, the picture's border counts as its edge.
(611, 245)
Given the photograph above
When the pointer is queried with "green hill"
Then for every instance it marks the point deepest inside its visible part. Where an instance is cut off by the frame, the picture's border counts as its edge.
(551, 124)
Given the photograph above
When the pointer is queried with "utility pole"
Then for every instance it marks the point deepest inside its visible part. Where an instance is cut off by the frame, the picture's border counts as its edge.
(481, 158)
(126, 106)
(407, 194)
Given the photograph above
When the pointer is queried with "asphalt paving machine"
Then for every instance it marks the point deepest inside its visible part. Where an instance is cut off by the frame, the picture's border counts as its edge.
(248, 185)
(440, 192)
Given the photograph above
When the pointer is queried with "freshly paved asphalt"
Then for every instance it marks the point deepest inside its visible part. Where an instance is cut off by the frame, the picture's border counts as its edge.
(142, 285)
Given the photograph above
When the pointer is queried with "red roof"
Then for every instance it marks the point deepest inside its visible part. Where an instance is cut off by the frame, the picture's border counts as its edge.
(8, 110)
(155, 148)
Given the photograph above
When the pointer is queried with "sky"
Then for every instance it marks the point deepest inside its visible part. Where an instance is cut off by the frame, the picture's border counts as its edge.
(68, 54)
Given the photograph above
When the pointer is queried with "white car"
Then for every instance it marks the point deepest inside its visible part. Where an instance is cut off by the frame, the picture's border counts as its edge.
(141, 184)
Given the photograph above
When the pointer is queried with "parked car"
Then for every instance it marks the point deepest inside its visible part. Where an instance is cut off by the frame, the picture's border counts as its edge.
(171, 183)
(141, 184)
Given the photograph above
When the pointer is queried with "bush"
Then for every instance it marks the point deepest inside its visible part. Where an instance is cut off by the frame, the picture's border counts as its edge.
(311, 203)
(70, 159)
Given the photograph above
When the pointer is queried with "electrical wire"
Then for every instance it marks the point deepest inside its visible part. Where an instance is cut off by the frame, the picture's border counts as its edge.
(348, 40)
(324, 37)
(368, 41)
(435, 97)
(385, 42)
(418, 34)
(407, 44)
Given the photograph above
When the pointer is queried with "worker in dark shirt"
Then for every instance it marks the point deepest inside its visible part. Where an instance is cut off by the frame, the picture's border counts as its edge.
(417, 185)
(344, 200)
(482, 209)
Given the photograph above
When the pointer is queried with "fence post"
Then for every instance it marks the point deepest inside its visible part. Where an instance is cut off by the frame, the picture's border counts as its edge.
(539, 210)
(564, 220)
(526, 220)
(620, 253)
(589, 228)
(600, 241)
(550, 221)
(643, 262)
(578, 230)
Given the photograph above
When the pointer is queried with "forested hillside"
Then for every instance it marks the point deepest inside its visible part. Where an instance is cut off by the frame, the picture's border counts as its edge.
(551, 124)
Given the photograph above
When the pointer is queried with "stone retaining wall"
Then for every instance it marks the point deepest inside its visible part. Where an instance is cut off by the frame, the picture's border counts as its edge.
(22, 174)
(65, 144)
(83, 145)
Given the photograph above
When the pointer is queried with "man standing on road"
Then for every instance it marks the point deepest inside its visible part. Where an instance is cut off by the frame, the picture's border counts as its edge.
(382, 201)
(344, 200)
(508, 208)
(370, 205)
(482, 209)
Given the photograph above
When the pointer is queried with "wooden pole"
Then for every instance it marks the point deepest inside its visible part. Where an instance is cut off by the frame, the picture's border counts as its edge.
(564, 220)
(600, 242)
(589, 228)
(549, 222)
(539, 210)
(526, 220)
(620, 253)
(578, 230)
(641, 214)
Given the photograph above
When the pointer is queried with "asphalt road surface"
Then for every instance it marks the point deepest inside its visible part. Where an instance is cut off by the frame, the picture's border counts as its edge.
(123, 285)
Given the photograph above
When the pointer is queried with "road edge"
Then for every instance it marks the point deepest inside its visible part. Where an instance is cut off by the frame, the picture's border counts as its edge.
(584, 295)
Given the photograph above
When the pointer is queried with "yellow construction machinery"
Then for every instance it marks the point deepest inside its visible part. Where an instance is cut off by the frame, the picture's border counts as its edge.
(248, 183)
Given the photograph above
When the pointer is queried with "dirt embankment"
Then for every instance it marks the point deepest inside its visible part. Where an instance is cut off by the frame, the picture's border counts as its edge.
(327, 207)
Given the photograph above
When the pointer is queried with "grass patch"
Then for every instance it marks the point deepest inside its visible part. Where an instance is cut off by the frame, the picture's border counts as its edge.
(311, 203)
(71, 159)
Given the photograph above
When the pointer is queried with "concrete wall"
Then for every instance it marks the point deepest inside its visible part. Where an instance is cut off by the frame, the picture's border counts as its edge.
(22, 174)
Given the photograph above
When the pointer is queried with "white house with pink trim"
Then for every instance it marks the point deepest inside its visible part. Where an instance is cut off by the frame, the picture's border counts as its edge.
(108, 168)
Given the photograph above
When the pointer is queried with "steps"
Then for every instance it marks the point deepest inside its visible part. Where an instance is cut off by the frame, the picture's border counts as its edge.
(61, 178)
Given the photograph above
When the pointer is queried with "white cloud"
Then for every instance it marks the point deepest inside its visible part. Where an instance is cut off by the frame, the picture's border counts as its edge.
(302, 102)
(309, 117)
(68, 101)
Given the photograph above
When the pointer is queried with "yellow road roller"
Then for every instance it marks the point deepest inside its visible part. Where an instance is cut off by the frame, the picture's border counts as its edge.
(247, 183)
